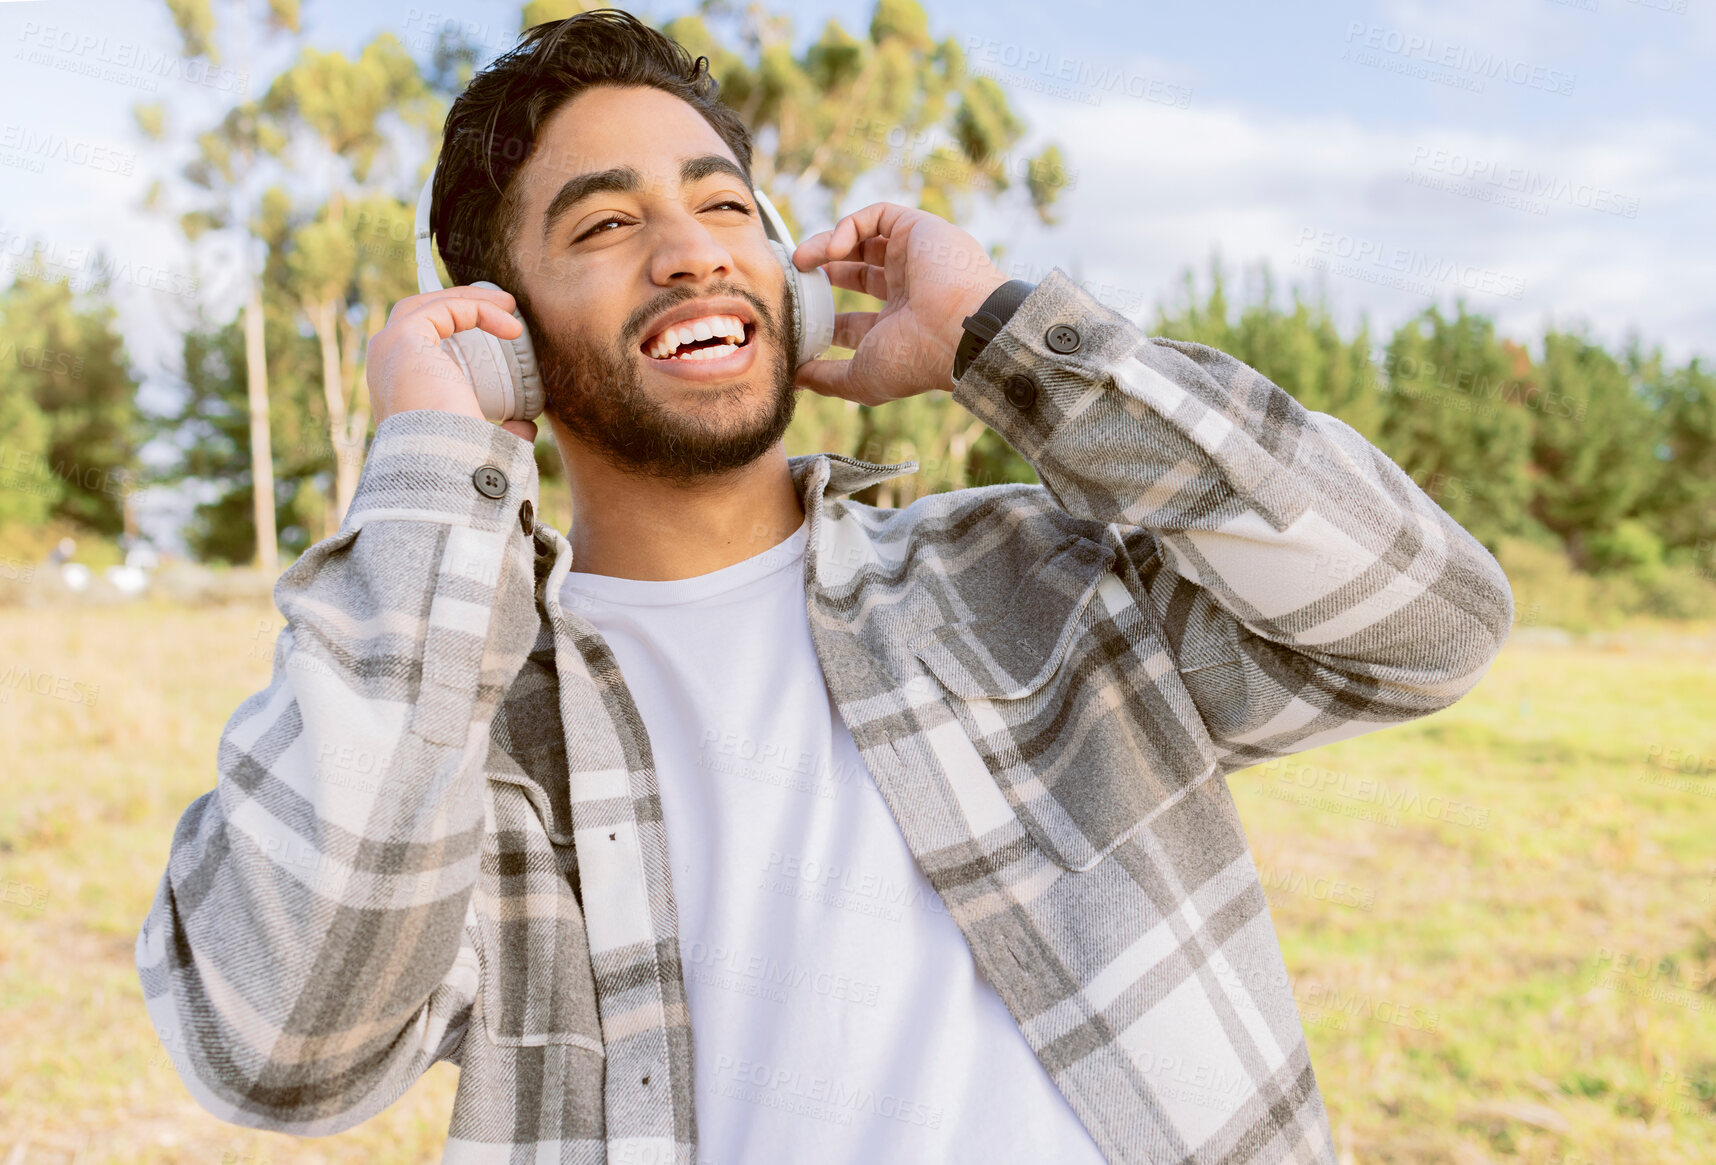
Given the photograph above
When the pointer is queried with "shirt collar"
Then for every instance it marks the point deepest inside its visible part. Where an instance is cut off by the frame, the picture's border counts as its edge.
(846, 475)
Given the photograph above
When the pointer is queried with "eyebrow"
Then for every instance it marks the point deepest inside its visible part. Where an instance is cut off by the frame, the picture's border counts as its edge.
(627, 180)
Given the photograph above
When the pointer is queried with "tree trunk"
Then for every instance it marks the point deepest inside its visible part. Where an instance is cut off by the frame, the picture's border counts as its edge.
(357, 407)
(261, 446)
(325, 315)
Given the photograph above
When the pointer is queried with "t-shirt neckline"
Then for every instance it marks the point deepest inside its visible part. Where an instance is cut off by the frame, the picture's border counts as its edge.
(631, 592)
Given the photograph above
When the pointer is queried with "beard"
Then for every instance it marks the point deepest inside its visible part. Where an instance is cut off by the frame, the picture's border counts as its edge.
(596, 391)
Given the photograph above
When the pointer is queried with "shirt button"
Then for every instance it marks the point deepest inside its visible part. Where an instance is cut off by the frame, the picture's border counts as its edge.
(490, 482)
(1021, 391)
(527, 517)
(1063, 338)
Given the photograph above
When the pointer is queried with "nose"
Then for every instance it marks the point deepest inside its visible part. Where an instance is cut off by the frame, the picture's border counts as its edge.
(686, 252)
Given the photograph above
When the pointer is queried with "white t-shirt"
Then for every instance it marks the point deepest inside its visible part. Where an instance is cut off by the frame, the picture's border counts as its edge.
(837, 1015)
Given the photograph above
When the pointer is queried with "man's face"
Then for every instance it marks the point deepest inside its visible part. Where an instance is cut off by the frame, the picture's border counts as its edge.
(638, 236)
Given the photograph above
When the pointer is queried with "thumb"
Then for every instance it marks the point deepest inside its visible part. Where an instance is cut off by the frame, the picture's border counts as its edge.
(827, 377)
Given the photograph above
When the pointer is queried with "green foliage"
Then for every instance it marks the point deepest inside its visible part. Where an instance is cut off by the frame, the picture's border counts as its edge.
(542, 11)
(1301, 349)
(1681, 506)
(29, 490)
(66, 405)
(1453, 420)
(892, 98)
(206, 439)
(1045, 177)
(1592, 476)
(195, 22)
(348, 104)
(283, 15)
(151, 118)
(1594, 449)
(1628, 545)
(1549, 590)
(211, 433)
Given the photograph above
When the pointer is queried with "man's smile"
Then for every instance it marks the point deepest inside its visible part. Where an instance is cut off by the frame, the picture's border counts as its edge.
(709, 361)
(703, 340)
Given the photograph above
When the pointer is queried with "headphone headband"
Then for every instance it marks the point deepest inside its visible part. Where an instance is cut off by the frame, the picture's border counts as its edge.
(428, 279)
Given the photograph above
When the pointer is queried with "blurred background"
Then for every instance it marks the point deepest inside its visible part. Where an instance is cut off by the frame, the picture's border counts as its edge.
(1477, 232)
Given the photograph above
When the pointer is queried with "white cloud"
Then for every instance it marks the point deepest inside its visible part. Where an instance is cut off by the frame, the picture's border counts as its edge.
(1158, 189)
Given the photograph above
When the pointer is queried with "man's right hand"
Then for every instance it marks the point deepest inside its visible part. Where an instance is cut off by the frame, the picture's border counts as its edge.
(408, 368)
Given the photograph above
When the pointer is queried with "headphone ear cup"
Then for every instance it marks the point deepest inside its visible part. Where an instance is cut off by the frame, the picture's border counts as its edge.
(816, 318)
(528, 377)
(487, 366)
(813, 305)
(504, 373)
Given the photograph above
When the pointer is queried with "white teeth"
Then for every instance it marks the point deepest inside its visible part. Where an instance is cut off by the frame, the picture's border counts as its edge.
(673, 338)
(714, 353)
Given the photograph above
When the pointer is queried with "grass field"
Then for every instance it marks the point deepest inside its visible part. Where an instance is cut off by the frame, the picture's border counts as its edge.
(1501, 920)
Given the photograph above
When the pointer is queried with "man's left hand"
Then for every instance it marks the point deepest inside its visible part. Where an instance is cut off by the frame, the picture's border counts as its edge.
(930, 275)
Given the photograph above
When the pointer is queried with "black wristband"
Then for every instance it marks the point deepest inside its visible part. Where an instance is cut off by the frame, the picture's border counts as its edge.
(984, 324)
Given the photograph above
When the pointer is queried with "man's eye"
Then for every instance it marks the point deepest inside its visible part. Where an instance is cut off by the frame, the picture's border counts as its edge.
(735, 204)
(607, 222)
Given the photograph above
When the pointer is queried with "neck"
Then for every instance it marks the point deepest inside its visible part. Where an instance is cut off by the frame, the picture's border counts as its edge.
(630, 526)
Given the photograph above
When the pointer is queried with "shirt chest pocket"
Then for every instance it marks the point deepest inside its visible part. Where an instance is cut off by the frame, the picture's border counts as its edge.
(1072, 701)
(538, 986)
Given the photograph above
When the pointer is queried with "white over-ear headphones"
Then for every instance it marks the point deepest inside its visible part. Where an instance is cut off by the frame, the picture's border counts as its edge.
(504, 372)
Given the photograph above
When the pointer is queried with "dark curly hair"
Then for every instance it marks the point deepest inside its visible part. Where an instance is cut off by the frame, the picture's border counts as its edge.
(491, 129)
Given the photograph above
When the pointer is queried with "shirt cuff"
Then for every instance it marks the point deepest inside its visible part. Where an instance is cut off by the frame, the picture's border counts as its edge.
(1055, 351)
(434, 466)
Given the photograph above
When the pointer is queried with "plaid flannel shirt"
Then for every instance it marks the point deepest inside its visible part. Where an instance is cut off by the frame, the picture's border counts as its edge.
(437, 833)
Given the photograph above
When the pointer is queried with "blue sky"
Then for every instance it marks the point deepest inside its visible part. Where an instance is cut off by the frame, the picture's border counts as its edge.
(1552, 161)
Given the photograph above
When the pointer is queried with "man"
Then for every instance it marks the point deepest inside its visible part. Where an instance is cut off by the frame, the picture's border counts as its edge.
(748, 823)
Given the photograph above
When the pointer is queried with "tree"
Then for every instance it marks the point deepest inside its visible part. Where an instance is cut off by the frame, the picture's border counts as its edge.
(228, 154)
(344, 270)
(1680, 506)
(1455, 421)
(353, 109)
(1594, 447)
(29, 491)
(203, 443)
(66, 405)
(1301, 350)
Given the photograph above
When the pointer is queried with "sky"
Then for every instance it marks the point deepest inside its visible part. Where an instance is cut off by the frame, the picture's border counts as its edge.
(1553, 162)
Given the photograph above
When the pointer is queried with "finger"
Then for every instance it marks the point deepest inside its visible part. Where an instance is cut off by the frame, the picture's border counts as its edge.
(458, 314)
(463, 291)
(850, 327)
(471, 290)
(414, 305)
(879, 218)
(873, 252)
(825, 377)
(525, 430)
(811, 252)
(858, 277)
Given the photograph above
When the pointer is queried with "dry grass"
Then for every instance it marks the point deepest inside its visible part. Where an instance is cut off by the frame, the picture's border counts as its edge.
(1523, 970)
